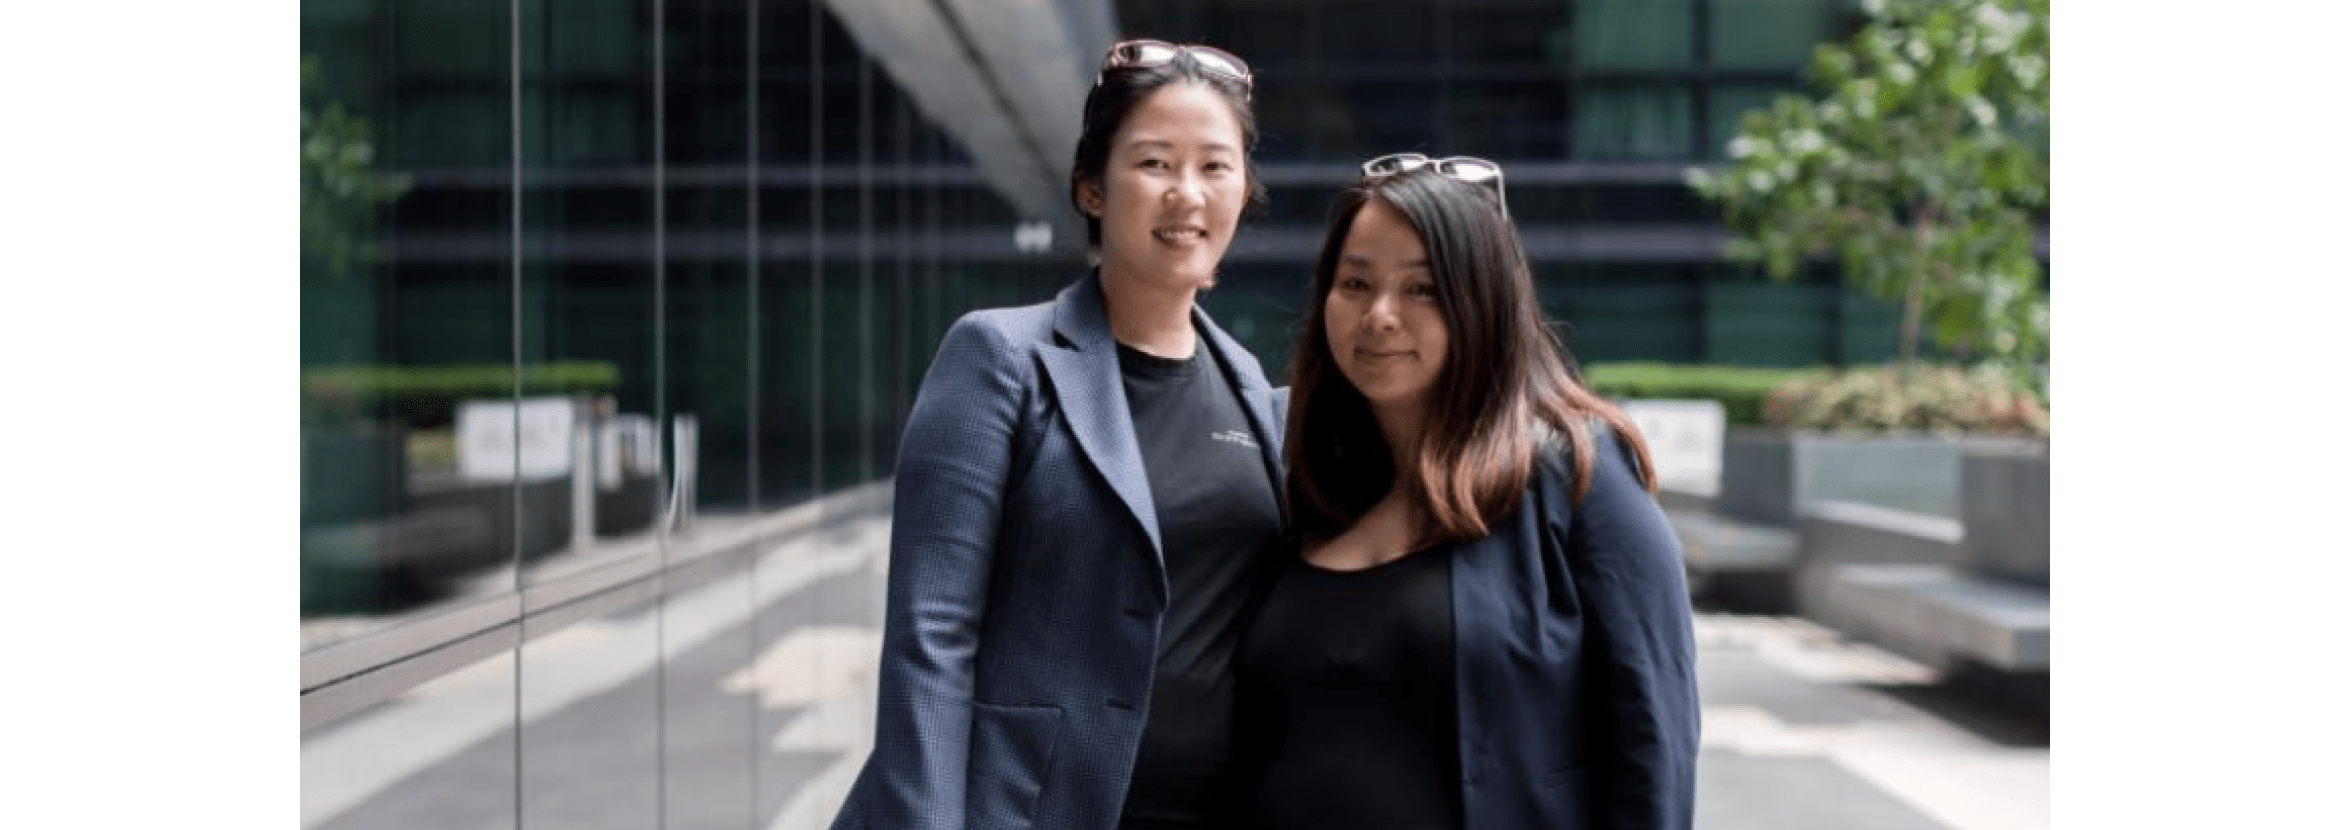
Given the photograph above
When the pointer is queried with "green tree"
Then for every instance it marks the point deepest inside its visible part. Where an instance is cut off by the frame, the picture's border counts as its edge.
(340, 188)
(1921, 163)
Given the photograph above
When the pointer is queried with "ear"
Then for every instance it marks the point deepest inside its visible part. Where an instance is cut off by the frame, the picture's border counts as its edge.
(1089, 194)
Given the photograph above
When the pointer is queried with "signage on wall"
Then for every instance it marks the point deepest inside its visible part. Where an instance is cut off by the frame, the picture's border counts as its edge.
(1685, 440)
(504, 440)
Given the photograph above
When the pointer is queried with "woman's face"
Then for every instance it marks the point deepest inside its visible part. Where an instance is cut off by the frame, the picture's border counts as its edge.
(1384, 320)
(1171, 195)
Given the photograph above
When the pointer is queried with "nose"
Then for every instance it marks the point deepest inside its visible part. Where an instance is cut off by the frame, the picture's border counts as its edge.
(1381, 316)
(1187, 190)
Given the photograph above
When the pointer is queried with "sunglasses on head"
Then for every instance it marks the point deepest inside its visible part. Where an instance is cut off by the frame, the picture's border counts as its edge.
(1152, 53)
(1458, 168)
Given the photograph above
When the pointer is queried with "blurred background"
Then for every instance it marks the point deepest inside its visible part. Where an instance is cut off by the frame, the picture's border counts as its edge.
(612, 311)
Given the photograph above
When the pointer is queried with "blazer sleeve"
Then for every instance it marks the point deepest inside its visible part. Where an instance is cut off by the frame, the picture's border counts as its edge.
(1644, 719)
(952, 473)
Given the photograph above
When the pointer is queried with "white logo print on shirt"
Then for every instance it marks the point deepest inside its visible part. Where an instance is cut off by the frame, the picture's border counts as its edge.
(1235, 436)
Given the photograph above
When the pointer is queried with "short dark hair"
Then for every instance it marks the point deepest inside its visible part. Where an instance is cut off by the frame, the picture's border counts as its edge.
(1115, 96)
(1505, 372)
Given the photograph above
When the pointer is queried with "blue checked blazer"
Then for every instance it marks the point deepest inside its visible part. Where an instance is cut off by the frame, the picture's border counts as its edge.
(1026, 586)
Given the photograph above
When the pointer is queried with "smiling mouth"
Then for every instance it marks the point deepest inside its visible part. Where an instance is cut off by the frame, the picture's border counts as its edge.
(1371, 355)
(1180, 235)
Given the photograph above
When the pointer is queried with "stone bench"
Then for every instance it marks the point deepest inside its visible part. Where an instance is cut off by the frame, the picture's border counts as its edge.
(1938, 614)
(1964, 593)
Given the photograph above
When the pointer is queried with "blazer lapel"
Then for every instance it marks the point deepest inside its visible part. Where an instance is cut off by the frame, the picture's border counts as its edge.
(1083, 368)
(1255, 395)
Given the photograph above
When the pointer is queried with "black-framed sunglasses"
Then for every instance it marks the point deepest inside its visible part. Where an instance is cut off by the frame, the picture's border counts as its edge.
(1148, 53)
(1458, 168)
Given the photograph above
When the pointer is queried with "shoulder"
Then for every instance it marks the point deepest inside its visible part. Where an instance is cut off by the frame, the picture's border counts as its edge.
(1612, 464)
(998, 334)
(990, 349)
(1007, 326)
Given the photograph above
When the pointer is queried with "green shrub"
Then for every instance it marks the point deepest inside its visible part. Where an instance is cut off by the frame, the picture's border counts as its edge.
(427, 396)
(1936, 399)
(1743, 391)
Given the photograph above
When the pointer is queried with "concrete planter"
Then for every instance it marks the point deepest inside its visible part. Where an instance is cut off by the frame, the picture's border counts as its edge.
(2003, 501)
(1769, 477)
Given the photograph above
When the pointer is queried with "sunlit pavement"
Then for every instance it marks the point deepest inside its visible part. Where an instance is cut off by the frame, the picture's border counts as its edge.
(1803, 729)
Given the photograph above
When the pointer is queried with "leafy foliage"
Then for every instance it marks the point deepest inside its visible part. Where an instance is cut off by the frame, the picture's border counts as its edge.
(340, 188)
(1922, 163)
(1943, 400)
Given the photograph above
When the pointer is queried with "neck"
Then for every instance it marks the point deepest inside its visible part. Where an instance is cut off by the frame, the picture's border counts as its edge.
(1155, 320)
(1400, 425)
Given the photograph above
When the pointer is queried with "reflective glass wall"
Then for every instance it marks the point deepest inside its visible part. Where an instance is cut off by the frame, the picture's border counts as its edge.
(611, 312)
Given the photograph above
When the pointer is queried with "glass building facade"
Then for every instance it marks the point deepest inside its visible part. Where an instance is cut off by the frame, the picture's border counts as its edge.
(696, 252)
(612, 311)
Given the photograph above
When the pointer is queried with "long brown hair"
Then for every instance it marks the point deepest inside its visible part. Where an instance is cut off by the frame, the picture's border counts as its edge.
(1505, 377)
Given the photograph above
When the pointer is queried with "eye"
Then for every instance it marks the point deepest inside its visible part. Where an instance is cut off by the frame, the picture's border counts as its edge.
(1424, 290)
(1352, 283)
(1219, 167)
(1151, 164)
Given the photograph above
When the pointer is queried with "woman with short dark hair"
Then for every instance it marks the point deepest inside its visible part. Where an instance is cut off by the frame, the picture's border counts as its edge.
(1086, 494)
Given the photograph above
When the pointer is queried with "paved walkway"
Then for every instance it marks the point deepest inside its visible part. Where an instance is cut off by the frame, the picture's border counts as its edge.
(769, 714)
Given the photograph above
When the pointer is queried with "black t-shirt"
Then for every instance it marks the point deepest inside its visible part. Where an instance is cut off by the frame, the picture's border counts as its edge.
(1346, 699)
(1219, 521)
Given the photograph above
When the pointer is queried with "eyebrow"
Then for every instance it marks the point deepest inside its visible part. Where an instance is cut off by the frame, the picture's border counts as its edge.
(1360, 261)
(1154, 143)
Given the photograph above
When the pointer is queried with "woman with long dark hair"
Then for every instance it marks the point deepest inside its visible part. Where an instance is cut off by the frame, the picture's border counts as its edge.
(1484, 624)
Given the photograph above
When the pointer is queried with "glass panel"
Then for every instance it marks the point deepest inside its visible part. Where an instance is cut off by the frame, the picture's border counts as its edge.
(1752, 322)
(1507, 119)
(590, 719)
(406, 312)
(1378, 33)
(1635, 34)
(1641, 121)
(1606, 204)
(406, 534)
(1623, 312)
(805, 124)
(1768, 34)
(1523, 35)
(589, 288)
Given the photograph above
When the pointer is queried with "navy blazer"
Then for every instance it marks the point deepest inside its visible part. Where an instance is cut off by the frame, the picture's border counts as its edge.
(1576, 668)
(1026, 586)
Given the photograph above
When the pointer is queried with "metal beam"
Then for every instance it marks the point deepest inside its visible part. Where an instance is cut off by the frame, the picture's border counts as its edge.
(1006, 79)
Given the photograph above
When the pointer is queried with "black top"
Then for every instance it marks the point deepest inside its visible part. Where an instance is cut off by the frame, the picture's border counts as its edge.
(1219, 523)
(1346, 699)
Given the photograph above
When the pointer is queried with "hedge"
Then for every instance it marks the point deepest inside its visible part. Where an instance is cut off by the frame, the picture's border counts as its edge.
(1744, 391)
(427, 396)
